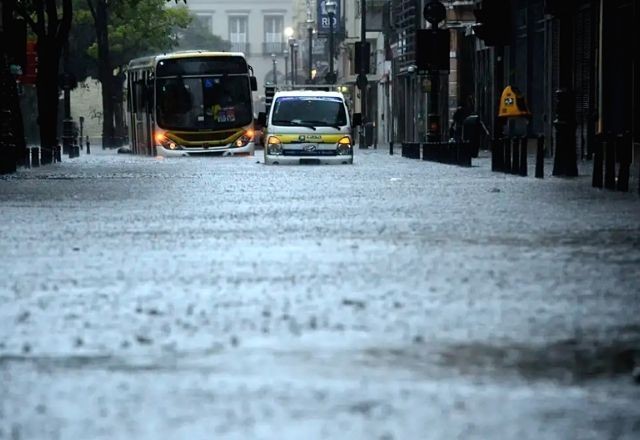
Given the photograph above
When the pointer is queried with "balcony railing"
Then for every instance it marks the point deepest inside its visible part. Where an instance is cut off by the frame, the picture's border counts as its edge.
(277, 48)
(240, 47)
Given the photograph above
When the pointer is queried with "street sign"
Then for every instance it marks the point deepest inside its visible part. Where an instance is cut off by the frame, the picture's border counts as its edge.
(513, 104)
(323, 24)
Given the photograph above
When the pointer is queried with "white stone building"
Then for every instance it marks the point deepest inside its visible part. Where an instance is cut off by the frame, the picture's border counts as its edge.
(256, 28)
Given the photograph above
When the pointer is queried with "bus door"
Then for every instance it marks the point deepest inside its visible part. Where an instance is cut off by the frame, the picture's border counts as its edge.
(141, 129)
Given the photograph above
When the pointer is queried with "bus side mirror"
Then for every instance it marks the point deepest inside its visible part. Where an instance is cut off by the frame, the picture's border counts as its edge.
(357, 119)
(254, 83)
(262, 119)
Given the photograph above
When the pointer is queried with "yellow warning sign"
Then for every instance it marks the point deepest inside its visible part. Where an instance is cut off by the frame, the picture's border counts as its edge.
(513, 104)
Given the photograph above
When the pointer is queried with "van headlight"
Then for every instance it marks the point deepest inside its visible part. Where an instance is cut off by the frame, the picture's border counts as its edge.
(345, 145)
(274, 145)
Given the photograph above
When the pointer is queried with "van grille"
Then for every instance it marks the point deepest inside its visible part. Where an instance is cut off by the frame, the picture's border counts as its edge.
(309, 153)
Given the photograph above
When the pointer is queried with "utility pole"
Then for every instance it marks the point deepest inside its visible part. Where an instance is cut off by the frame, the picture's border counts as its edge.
(286, 66)
(275, 75)
(310, 31)
(494, 27)
(294, 69)
(362, 81)
(331, 6)
(434, 12)
(565, 159)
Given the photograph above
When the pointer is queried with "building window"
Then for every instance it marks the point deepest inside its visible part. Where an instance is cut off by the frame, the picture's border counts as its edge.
(273, 37)
(238, 34)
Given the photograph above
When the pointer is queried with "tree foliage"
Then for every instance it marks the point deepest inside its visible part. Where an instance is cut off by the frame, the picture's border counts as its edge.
(147, 28)
(137, 28)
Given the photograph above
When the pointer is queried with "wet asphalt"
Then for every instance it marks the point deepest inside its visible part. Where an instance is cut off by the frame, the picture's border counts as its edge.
(218, 297)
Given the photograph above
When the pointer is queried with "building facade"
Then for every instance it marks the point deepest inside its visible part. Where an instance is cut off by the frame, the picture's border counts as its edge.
(256, 28)
(587, 48)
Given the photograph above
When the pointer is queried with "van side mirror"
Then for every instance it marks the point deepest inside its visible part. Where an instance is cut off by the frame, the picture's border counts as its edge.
(254, 83)
(262, 119)
(357, 119)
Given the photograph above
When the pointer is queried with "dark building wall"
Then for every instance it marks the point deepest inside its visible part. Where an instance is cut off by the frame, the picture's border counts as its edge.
(618, 66)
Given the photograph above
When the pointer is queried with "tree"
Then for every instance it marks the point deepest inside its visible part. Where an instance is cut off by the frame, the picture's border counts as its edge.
(100, 13)
(134, 28)
(12, 142)
(50, 21)
(136, 31)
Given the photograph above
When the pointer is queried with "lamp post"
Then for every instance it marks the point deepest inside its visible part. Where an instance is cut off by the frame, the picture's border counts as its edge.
(434, 12)
(288, 32)
(292, 42)
(285, 55)
(294, 62)
(310, 30)
(362, 74)
(275, 76)
(331, 7)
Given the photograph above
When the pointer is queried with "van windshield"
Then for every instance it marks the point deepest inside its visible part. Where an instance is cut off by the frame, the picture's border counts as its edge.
(309, 110)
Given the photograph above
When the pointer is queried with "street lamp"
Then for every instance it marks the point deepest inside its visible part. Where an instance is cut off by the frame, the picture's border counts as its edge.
(288, 32)
(331, 7)
(310, 30)
(362, 74)
(294, 62)
(275, 77)
(285, 55)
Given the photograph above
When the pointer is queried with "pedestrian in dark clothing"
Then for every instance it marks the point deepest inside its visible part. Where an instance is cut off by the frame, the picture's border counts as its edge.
(458, 120)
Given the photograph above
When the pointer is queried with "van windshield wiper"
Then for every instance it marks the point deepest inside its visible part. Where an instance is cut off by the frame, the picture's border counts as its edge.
(324, 124)
(300, 124)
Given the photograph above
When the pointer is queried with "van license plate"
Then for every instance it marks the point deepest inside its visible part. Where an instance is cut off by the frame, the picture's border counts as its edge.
(309, 161)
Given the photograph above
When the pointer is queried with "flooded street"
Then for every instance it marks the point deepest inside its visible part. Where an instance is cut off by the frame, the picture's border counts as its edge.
(393, 299)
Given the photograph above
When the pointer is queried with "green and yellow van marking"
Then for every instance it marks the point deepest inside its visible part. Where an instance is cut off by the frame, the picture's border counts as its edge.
(293, 138)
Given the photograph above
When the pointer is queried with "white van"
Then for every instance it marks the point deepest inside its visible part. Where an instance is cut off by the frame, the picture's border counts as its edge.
(308, 127)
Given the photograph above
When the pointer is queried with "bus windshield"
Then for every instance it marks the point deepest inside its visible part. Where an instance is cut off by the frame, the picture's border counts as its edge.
(313, 110)
(206, 102)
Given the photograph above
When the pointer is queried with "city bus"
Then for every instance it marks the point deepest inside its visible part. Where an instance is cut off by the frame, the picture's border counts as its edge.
(191, 103)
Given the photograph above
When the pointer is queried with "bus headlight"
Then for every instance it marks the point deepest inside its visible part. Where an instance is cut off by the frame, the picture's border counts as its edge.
(244, 139)
(344, 145)
(164, 141)
(274, 145)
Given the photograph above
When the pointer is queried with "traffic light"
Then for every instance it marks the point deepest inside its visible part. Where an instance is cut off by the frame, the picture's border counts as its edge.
(494, 22)
(358, 56)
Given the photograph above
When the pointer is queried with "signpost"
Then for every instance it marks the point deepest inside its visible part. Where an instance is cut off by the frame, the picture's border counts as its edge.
(324, 22)
(432, 57)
